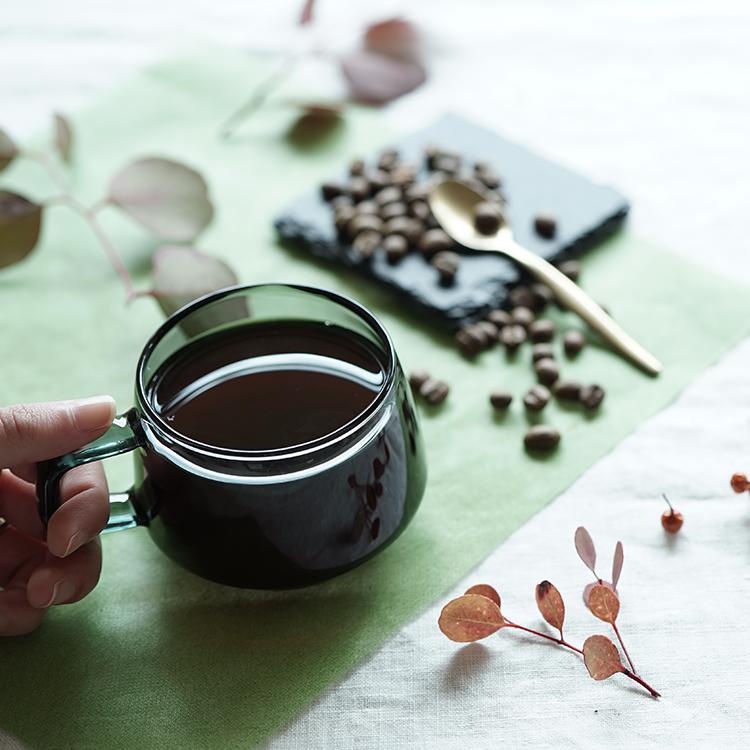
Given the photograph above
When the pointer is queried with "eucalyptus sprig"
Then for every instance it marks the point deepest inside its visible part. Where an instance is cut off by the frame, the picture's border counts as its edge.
(168, 198)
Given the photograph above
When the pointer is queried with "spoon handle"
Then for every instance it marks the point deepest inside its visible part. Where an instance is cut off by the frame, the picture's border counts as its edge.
(574, 298)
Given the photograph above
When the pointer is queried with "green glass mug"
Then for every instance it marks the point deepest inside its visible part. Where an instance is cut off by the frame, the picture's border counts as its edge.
(263, 519)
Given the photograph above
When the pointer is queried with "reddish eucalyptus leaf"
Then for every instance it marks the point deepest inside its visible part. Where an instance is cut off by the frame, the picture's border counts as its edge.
(604, 604)
(182, 274)
(8, 150)
(166, 197)
(20, 224)
(378, 79)
(319, 108)
(484, 589)
(63, 137)
(393, 37)
(306, 16)
(550, 604)
(470, 618)
(617, 562)
(587, 590)
(601, 657)
(585, 548)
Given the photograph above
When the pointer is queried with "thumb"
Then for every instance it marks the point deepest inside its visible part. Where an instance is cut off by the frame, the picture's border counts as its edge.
(37, 432)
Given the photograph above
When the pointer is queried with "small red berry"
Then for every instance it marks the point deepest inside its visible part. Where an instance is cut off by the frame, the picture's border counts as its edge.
(671, 521)
(739, 483)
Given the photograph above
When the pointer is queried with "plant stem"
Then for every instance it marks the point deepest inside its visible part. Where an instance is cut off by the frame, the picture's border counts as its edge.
(641, 682)
(558, 641)
(627, 655)
(260, 94)
(49, 166)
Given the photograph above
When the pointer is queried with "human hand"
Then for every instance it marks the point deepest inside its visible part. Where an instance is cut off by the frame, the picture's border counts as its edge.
(62, 565)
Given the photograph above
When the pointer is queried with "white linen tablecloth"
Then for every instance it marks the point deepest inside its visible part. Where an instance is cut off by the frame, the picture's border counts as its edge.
(651, 97)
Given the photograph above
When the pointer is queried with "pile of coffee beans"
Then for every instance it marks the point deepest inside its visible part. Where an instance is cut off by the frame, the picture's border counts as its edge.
(432, 390)
(384, 206)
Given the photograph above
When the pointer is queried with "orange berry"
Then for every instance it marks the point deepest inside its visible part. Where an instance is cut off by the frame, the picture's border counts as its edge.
(739, 483)
(672, 521)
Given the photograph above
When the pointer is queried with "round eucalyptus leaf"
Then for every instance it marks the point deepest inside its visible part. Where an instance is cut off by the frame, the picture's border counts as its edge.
(168, 198)
(20, 223)
(63, 137)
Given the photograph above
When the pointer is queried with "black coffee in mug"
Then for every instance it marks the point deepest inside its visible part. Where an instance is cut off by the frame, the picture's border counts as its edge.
(276, 441)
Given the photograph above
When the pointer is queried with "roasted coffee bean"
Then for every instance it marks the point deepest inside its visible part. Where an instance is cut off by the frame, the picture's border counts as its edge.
(521, 296)
(542, 351)
(541, 437)
(434, 241)
(419, 210)
(545, 226)
(366, 242)
(573, 342)
(357, 168)
(406, 226)
(416, 192)
(490, 330)
(500, 318)
(448, 163)
(500, 400)
(359, 188)
(362, 222)
(430, 154)
(487, 218)
(331, 190)
(340, 201)
(403, 174)
(486, 175)
(547, 371)
(571, 268)
(390, 194)
(484, 337)
(392, 210)
(468, 342)
(567, 390)
(536, 398)
(522, 315)
(543, 296)
(367, 207)
(388, 160)
(418, 378)
(396, 247)
(592, 396)
(446, 263)
(512, 336)
(434, 391)
(542, 330)
(379, 179)
(342, 216)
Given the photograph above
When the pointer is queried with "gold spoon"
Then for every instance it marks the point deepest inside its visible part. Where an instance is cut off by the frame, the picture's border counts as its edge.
(453, 204)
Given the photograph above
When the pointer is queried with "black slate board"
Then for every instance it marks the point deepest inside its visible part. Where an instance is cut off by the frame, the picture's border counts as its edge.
(587, 213)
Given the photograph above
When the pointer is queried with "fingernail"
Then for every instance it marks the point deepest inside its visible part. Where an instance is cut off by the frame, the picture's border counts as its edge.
(75, 542)
(61, 592)
(94, 413)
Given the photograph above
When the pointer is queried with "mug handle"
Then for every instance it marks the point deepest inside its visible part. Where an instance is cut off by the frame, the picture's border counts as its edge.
(123, 435)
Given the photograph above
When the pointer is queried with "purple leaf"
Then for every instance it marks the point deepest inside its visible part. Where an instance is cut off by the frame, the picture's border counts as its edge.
(20, 224)
(63, 137)
(393, 37)
(585, 548)
(306, 16)
(182, 274)
(378, 79)
(168, 198)
(8, 150)
(617, 562)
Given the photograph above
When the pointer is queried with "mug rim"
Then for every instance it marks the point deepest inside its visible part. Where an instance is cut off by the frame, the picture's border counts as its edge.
(327, 441)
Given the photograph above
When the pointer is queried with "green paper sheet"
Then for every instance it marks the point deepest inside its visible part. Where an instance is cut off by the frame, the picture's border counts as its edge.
(156, 657)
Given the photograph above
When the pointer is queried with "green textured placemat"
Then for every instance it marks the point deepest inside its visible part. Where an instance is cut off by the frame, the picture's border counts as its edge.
(155, 657)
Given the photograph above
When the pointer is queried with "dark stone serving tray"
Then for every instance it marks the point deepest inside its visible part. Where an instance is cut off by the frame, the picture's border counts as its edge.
(586, 213)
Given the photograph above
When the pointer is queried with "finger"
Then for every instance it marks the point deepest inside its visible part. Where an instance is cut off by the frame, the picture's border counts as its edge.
(84, 511)
(17, 616)
(18, 504)
(66, 580)
(17, 551)
(37, 432)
